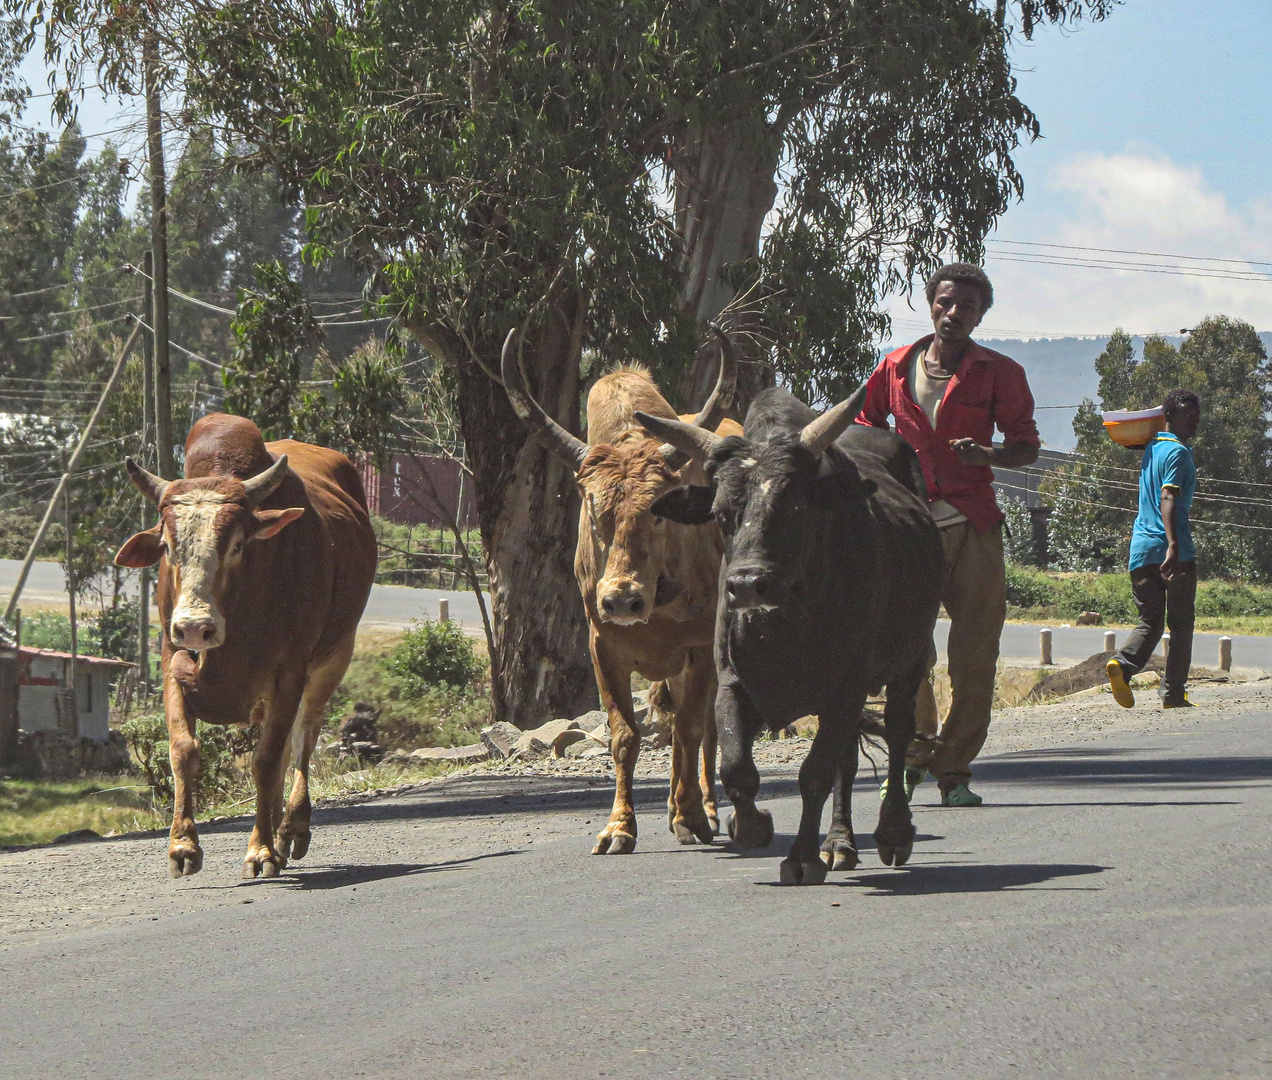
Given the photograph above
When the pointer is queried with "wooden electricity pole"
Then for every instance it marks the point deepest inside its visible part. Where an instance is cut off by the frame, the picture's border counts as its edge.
(147, 440)
(159, 249)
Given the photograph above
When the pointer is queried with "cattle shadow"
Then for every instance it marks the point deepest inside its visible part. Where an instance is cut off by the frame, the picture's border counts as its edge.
(970, 878)
(316, 878)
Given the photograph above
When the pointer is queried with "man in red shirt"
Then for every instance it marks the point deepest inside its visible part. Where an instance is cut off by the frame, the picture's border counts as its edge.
(946, 394)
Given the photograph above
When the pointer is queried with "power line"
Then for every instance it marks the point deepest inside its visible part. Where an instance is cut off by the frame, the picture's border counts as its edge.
(74, 330)
(70, 311)
(1217, 275)
(1125, 251)
(65, 284)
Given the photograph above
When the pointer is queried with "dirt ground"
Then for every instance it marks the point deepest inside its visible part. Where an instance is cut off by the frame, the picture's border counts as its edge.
(54, 891)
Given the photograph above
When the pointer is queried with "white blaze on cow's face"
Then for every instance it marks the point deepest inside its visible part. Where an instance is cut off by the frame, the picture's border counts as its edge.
(202, 542)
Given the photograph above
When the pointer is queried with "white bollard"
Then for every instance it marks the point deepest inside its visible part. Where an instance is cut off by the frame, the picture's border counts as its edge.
(1110, 641)
(1165, 646)
(443, 610)
(1044, 646)
(1225, 654)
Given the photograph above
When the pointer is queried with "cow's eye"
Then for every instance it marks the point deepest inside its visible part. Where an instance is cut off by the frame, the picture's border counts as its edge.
(238, 546)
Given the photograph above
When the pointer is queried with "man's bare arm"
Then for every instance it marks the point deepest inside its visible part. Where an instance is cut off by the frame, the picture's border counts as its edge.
(1170, 564)
(1008, 456)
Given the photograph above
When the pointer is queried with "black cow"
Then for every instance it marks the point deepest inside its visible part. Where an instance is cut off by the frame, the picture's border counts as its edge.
(830, 588)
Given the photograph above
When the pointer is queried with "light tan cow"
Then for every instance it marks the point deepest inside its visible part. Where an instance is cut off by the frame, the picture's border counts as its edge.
(649, 587)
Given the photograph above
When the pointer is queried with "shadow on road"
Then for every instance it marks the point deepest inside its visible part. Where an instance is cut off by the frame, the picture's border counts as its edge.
(338, 877)
(1124, 768)
(973, 878)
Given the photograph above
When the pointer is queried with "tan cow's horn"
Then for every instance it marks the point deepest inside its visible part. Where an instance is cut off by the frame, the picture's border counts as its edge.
(696, 442)
(261, 486)
(569, 449)
(719, 401)
(833, 422)
(146, 482)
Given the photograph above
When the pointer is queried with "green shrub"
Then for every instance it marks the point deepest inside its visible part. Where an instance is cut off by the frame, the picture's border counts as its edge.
(1029, 588)
(1218, 598)
(113, 633)
(1109, 594)
(220, 750)
(430, 655)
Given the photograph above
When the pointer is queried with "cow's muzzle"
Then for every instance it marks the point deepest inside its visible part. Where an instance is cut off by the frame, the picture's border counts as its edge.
(750, 587)
(624, 602)
(197, 633)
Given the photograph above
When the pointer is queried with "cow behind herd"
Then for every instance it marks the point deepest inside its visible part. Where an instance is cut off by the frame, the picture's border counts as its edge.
(801, 552)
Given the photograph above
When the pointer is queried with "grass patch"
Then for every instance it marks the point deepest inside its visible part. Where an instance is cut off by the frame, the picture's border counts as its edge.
(37, 811)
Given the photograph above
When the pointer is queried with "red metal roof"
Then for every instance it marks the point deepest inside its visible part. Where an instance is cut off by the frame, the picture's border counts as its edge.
(31, 654)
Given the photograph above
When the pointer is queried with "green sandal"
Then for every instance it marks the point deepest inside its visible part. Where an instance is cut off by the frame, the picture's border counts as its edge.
(913, 778)
(961, 795)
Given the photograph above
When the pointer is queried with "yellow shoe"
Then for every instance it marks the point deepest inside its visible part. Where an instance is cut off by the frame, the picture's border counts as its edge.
(1122, 692)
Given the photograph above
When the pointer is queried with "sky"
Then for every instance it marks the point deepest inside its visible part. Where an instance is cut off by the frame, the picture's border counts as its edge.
(1156, 138)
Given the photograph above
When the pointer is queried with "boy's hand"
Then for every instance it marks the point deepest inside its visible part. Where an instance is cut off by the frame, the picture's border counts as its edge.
(1170, 564)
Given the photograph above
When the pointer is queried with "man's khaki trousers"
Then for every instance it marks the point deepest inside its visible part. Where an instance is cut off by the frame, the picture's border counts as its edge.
(975, 598)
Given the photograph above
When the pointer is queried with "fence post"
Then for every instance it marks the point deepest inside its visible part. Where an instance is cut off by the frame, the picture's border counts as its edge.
(1110, 641)
(1225, 654)
(1165, 646)
(1044, 645)
(443, 610)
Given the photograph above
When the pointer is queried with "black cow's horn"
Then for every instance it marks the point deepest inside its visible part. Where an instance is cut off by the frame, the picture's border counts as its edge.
(719, 401)
(146, 482)
(833, 422)
(696, 442)
(570, 449)
(261, 486)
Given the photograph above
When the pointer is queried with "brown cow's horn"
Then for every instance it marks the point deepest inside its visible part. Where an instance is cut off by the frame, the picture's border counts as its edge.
(719, 401)
(570, 449)
(833, 422)
(696, 442)
(146, 482)
(261, 486)
(722, 396)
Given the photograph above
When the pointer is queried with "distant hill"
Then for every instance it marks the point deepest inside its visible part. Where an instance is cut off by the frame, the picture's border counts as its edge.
(1062, 372)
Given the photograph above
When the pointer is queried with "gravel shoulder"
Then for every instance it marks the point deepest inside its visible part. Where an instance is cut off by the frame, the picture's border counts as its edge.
(477, 813)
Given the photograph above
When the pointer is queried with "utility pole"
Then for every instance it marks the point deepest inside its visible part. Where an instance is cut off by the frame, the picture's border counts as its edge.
(147, 514)
(70, 592)
(159, 250)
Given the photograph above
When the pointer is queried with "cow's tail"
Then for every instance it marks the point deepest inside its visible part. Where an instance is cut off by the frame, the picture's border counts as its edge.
(872, 735)
(662, 712)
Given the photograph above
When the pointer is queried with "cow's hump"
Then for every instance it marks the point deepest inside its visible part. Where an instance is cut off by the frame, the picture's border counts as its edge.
(224, 445)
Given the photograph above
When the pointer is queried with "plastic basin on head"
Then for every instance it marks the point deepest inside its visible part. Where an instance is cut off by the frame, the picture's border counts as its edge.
(1134, 428)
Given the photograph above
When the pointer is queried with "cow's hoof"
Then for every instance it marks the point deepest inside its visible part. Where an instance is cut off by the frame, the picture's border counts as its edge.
(838, 855)
(752, 832)
(693, 832)
(895, 856)
(614, 842)
(802, 872)
(264, 864)
(184, 863)
(713, 819)
(293, 847)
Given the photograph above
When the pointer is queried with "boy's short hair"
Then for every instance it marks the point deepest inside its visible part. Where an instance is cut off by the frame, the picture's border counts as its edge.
(962, 274)
(1179, 399)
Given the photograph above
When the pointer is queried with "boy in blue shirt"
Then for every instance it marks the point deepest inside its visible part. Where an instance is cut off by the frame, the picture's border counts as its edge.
(1163, 562)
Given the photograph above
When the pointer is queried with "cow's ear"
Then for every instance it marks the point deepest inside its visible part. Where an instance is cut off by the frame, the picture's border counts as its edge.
(272, 522)
(684, 505)
(141, 549)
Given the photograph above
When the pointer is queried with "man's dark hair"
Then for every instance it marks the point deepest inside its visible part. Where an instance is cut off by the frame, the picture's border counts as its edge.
(962, 274)
(1179, 399)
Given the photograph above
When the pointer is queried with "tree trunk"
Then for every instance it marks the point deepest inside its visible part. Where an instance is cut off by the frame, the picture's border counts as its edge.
(528, 510)
(724, 190)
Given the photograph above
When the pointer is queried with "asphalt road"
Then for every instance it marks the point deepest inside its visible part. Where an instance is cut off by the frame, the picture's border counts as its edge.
(1106, 914)
(392, 607)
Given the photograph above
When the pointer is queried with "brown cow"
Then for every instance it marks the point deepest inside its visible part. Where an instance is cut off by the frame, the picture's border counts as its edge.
(649, 587)
(266, 559)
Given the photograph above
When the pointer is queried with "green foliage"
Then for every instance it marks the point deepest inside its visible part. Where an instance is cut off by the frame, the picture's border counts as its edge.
(1027, 587)
(112, 632)
(430, 655)
(358, 412)
(17, 530)
(274, 332)
(1018, 545)
(224, 755)
(1109, 594)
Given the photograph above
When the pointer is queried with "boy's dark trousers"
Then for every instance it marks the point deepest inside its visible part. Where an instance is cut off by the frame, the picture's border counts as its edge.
(1163, 603)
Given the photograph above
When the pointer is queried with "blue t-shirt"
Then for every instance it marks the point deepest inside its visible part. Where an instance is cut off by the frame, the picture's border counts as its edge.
(1166, 463)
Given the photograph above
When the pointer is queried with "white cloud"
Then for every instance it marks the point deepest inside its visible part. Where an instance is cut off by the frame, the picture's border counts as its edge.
(1139, 200)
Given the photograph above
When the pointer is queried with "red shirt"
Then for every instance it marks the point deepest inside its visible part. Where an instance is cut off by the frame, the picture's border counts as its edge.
(988, 389)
